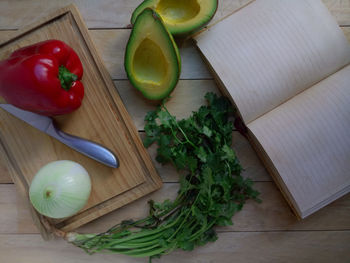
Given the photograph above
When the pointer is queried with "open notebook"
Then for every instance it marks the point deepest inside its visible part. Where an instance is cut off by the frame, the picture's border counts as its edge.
(286, 66)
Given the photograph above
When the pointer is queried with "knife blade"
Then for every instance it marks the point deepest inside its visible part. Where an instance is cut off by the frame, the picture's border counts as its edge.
(46, 124)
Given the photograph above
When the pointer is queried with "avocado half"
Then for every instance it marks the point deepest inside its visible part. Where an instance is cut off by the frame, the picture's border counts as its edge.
(152, 59)
(181, 17)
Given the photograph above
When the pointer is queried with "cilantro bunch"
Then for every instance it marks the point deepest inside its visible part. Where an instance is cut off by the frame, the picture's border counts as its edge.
(211, 190)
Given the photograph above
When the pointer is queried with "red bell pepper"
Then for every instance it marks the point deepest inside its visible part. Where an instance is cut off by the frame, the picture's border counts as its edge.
(43, 78)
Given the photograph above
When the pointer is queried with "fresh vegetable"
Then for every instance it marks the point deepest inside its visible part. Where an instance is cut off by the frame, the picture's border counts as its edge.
(181, 17)
(152, 59)
(211, 190)
(60, 189)
(43, 78)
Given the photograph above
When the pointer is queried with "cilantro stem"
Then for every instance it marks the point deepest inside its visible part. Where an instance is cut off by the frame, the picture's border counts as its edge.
(133, 237)
(209, 195)
(228, 167)
(128, 251)
(201, 231)
(174, 135)
(139, 253)
(184, 220)
(178, 126)
(136, 245)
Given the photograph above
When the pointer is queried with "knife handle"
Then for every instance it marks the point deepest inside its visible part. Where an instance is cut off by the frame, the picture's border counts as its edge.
(86, 147)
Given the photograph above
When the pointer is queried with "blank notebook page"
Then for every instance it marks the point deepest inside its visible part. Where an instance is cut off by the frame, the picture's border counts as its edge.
(308, 141)
(271, 50)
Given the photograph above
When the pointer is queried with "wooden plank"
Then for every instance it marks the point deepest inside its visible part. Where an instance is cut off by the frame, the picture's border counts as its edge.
(116, 13)
(97, 14)
(294, 245)
(340, 9)
(102, 111)
(346, 31)
(273, 214)
(111, 46)
(250, 162)
(4, 172)
(15, 214)
(6, 34)
(253, 168)
(271, 247)
(188, 93)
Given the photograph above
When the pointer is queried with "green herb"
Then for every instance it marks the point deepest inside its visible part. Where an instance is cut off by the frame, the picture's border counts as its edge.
(211, 191)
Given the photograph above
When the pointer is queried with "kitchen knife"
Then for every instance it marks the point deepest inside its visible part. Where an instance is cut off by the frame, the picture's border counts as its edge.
(46, 124)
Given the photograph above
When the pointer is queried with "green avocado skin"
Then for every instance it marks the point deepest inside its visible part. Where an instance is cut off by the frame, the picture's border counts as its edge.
(145, 4)
(178, 30)
(174, 61)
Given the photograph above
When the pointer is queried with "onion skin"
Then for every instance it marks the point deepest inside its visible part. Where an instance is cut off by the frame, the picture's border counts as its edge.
(60, 189)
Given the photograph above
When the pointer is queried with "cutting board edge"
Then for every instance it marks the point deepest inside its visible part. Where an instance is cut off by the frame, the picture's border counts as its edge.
(152, 183)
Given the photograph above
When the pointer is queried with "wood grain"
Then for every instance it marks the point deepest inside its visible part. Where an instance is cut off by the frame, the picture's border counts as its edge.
(340, 9)
(242, 247)
(111, 45)
(251, 164)
(346, 31)
(188, 94)
(253, 168)
(5, 177)
(281, 238)
(273, 214)
(102, 112)
(116, 13)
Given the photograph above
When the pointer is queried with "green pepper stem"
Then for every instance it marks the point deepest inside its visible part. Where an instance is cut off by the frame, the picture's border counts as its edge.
(66, 77)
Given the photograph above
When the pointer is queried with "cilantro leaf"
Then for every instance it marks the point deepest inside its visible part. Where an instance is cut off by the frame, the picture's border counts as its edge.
(212, 188)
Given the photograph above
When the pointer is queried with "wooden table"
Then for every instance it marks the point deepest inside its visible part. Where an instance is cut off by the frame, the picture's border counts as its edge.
(266, 232)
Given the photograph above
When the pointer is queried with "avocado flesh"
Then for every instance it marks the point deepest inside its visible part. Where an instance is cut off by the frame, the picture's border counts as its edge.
(181, 17)
(178, 11)
(149, 63)
(152, 60)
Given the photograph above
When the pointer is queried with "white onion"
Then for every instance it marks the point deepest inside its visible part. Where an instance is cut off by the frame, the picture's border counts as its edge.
(60, 189)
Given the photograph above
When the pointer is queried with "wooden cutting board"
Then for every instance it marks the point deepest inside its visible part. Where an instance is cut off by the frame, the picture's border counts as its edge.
(101, 118)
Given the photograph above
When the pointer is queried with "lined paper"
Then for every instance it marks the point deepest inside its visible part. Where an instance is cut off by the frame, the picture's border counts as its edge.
(285, 64)
(271, 50)
(308, 141)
